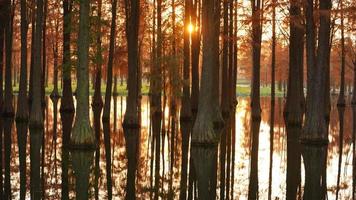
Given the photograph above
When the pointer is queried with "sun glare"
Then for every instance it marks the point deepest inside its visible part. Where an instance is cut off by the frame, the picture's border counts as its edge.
(190, 28)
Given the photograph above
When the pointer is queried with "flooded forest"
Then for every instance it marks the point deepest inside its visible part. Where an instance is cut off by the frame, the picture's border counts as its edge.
(178, 99)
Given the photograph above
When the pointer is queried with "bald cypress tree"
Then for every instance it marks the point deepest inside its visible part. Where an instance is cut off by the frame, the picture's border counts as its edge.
(207, 126)
(22, 105)
(82, 133)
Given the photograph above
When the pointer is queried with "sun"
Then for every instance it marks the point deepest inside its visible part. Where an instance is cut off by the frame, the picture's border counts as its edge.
(190, 28)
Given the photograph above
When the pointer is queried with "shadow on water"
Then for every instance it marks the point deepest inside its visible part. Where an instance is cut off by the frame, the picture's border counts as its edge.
(205, 163)
(97, 125)
(253, 185)
(106, 128)
(82, 161)
(132, 142)
(185, 126)
(67, 120)
(1, 155)
(341, 111)
(8, 122)
(354, 152)
(293, 161)
(35, 157)
(22, 128)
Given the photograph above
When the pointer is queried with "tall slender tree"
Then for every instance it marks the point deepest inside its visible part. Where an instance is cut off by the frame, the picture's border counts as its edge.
(315, 129)
(208, 122)
(294, 108)
(1, 94)
(67, 104)
(97, 100)
(8, 110)
(22, 105)
(82, 133)
(131, 118)
(256, 57)
(109, 75)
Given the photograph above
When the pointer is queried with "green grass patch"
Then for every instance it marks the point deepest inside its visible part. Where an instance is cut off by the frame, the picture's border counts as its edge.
(241, 89)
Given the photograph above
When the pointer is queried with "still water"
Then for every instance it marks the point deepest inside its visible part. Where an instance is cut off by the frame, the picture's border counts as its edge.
(52, 165)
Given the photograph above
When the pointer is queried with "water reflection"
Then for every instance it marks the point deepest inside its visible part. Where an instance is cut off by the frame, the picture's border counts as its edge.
(60, 172)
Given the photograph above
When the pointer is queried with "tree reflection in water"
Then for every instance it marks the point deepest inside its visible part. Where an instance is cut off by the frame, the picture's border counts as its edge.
(136, 145)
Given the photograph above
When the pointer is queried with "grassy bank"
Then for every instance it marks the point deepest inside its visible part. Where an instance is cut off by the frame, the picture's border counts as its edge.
(242, 90)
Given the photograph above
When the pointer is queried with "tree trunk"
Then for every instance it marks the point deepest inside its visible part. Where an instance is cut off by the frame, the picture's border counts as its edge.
(44, 55)
(185, 109)
(132, 23)
(294, 108)
(195, 54)
(97, 100)
(33, 31)
(314, 135)
(206, 129)
(256, 56)
(185, 116)
(1, 101)
(36, 116)
(8, 110)
(82, 133)
(67, 104)
(22, 103)
(109, 77)
(273, 85)
(131, 119)
(341, 99)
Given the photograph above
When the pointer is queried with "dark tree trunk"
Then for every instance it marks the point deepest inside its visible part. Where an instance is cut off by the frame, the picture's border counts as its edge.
(67, 104)
(132, 23)
(273, 85)
(185, 116)
(1, 101)
(54, 94)
(131, 118)
(314, 135)
(156, 96)
(109, 69)
(97, 100)
(294, 107)
(36, 116)
(341, 99)
(207, 126)
(33, 31)
(44, 55)
(185, 109)
(257, 6)
(22, 102)
(82, 133)
(195, 54)
(8, 110)
(224, 97)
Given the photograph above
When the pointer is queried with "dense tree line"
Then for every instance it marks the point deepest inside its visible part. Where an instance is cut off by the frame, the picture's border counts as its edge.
(191, 55)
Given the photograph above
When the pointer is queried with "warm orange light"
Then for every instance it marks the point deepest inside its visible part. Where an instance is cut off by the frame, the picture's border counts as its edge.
(190, 28)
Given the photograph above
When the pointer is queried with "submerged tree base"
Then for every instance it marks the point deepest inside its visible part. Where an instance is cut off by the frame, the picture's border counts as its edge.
(82, 137)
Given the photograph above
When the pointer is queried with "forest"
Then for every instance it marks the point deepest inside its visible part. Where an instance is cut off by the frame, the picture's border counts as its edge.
(178, 99)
